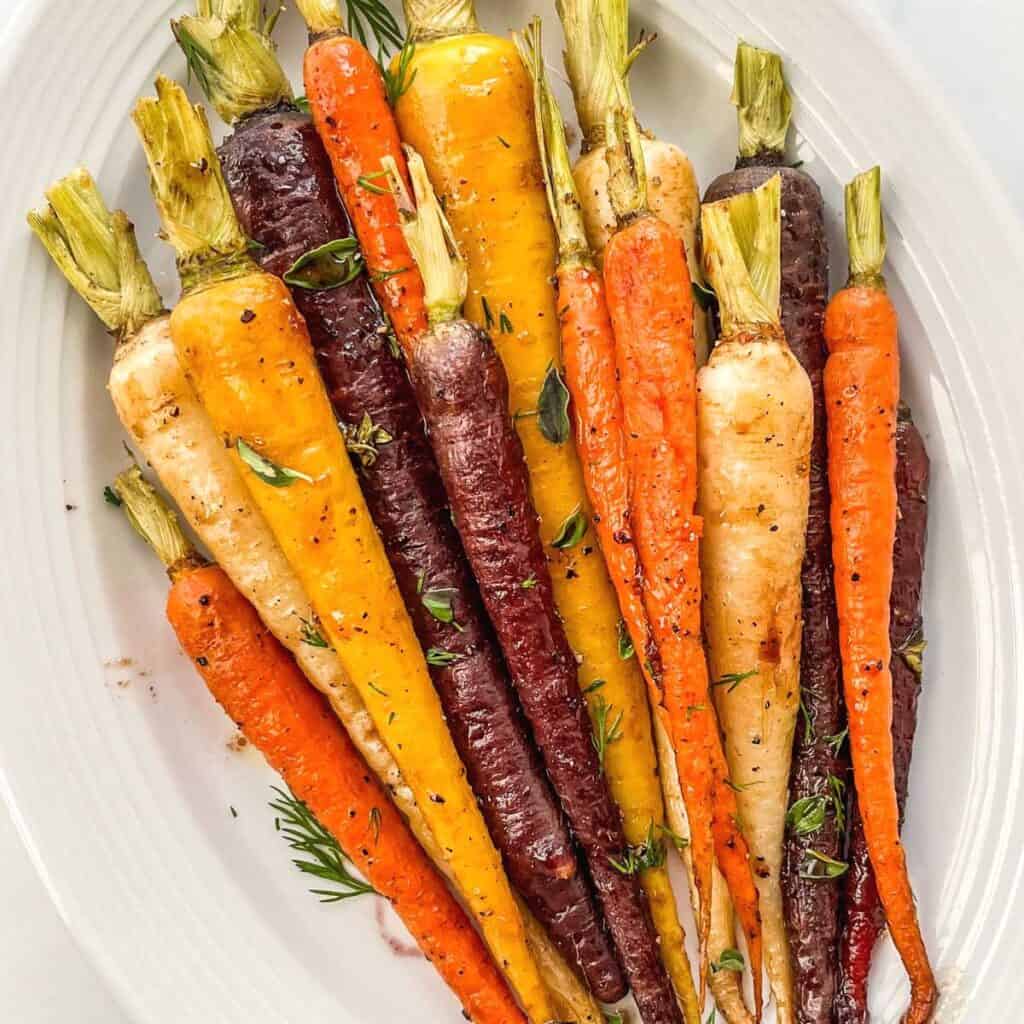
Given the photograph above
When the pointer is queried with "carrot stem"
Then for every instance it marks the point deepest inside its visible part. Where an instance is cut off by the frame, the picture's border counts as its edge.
(762, 101)
(435, 19)
(97, 252)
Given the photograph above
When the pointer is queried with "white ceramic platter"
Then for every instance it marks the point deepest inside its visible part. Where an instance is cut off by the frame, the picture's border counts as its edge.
(116, 762)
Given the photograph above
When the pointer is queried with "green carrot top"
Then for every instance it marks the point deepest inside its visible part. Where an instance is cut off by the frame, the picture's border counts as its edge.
(597, 59)
(742, 239)
(229, 50)
(865, 229)
(435, 19)
(430, 238)
(188, 187)
(563, 199)
(762, 101)
(97, 252)
(155, 521)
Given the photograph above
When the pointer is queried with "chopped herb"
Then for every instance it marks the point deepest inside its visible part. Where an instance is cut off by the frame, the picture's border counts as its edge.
(571, 532)
(110, 496)
(269, 472)
(837, 791)
(648, 855)
(505, 325)
(397, 82)
(678, 841)
(594, 686)
(607, 730)
(301, 104)
(328, 266)
(507, 145)
(311, 634)
(376, 689)
(529, 583)
(392, 715)
(234, 813)
(741, 787)
(367, 181)
(692, 709)
(372, 16)
(807, 815)
(327, 861)
(626, 648)
(733, 679)
(912, 652)
(704, 296)
(836, 740)
(818, 866)
(808, 723)
(440, 658)
(252, 245)
(386, 275)
(364, 440)
(730, 960)
(375, 820)
(553, 407)
(440, 603)
(488, 315)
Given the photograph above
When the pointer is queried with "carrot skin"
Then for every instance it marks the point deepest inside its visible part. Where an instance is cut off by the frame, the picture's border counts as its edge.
(864, 918)
(351, 112)
(259, 686)
(862, 394)
(283, 190)
(651, 305)
(481, 460)
(812, 905)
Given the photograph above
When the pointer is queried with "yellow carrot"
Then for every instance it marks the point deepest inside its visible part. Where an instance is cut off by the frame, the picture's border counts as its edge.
(247, 352)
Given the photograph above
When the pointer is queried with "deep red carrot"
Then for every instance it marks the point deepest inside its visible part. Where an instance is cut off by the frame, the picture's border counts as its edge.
(862, 397)
(262, 690)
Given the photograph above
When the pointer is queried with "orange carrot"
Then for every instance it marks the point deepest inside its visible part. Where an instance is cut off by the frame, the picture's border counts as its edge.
(862, 390)
(651, 305)
(349, 103)
(260, 687)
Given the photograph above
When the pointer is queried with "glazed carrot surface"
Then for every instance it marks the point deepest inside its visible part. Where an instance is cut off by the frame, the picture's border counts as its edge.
(862, 397)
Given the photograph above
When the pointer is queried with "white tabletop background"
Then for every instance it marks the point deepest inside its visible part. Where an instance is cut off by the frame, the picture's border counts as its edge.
(966, 49)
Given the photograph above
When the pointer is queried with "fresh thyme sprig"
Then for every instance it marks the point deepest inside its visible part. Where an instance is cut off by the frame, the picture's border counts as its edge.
(397, 82)
(607, 729)
(370, 18)
(326, 859)
(648, 855)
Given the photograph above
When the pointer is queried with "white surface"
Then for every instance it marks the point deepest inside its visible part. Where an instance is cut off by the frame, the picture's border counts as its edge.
(43, 977)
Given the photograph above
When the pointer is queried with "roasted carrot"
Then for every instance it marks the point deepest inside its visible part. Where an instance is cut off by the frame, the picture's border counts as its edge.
(754, 425)
(862, 389)
(863, 917)
(349, 103)
(97, 252)
(264, 693)
(651, 306)
(597, 57)
(588, 347)
(247, 351)
(463, 393)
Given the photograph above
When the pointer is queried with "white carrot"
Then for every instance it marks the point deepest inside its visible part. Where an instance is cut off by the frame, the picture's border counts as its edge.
(754, 429)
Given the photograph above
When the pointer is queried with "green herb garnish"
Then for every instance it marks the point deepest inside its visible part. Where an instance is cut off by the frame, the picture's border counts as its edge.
(367, 181)
(607, 729)
(397, 82)
(376, 689)
(529, 583)
(440, 658)
(730, 960)
(110, 497)
(326, 859)
(372, 16)
(572, 530)
(311, 634)
(364, 439)
(836, 740)
(505, 324)
(594, 686)
(269, 472)
(553, 407)
(327, 266)
(820, 866)
(375, 821)
(440, 603)
(807, 815)
(704, 296)
(301, 104)
(733, 679)
(648, 855)
(488, 315)
(626, 648)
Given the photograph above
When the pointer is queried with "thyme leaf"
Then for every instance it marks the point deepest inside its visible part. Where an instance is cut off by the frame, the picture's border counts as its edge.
(607, 729)
(820, 866)
(733, 679)
(807, 815)
(397, 82)
(364, 439)
(269, 472)
(648, 855)
(440, 603)
(110, 496)
(328, 266)
(626, 648)
(730, 960)
(553, 407)
(311, 634)
(572, 530)
(440, 658)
